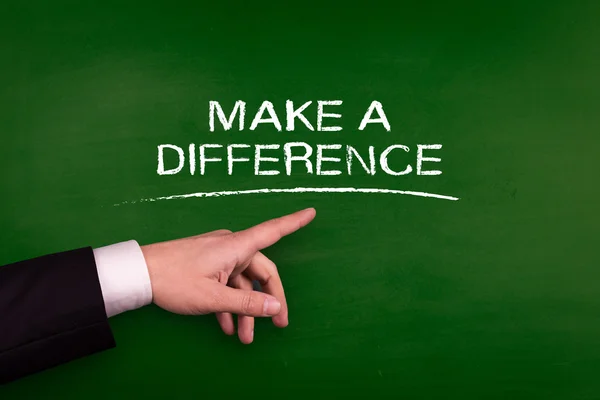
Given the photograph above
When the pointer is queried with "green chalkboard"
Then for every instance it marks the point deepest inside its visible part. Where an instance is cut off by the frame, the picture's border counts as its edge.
(493, 295)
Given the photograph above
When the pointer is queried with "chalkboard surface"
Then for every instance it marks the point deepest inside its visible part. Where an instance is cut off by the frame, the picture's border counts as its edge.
(493, 295)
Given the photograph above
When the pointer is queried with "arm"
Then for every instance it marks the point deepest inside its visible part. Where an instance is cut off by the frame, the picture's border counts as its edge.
(55, 308)
(51, 311)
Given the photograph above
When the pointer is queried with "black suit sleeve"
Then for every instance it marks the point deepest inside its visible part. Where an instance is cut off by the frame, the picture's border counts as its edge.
(51, 312)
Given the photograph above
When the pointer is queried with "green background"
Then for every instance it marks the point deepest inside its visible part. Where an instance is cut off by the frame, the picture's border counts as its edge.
(494, 296)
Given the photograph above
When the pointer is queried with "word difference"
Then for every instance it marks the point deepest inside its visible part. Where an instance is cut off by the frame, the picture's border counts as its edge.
(321, 159)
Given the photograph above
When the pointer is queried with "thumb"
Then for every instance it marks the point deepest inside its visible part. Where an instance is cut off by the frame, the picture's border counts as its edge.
(248, 302)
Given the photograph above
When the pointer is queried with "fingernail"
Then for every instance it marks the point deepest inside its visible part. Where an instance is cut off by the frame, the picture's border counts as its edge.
(271, 306)
(252, 335)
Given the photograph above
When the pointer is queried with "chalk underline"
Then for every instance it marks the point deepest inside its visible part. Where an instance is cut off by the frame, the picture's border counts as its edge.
(295, 190)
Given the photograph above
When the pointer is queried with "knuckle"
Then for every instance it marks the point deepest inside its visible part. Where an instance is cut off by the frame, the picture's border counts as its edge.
(265, 280)
(248, 303)
(272, 267)
(271, 270)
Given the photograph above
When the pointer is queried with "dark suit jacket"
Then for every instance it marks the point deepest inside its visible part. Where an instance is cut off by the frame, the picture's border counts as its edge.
(51, 312)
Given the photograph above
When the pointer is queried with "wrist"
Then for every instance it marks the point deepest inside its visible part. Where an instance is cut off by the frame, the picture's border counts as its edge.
(149, 254)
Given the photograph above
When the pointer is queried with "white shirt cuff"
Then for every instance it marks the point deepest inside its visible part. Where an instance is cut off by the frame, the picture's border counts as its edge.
(123, 276)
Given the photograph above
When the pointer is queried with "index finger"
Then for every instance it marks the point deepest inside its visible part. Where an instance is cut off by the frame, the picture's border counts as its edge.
(268, 233)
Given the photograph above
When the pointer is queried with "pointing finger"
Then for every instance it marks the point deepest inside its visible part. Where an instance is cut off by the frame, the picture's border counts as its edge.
(268, 233)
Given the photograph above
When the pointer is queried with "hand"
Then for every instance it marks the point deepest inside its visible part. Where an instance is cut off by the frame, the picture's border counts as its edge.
(213, 272)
